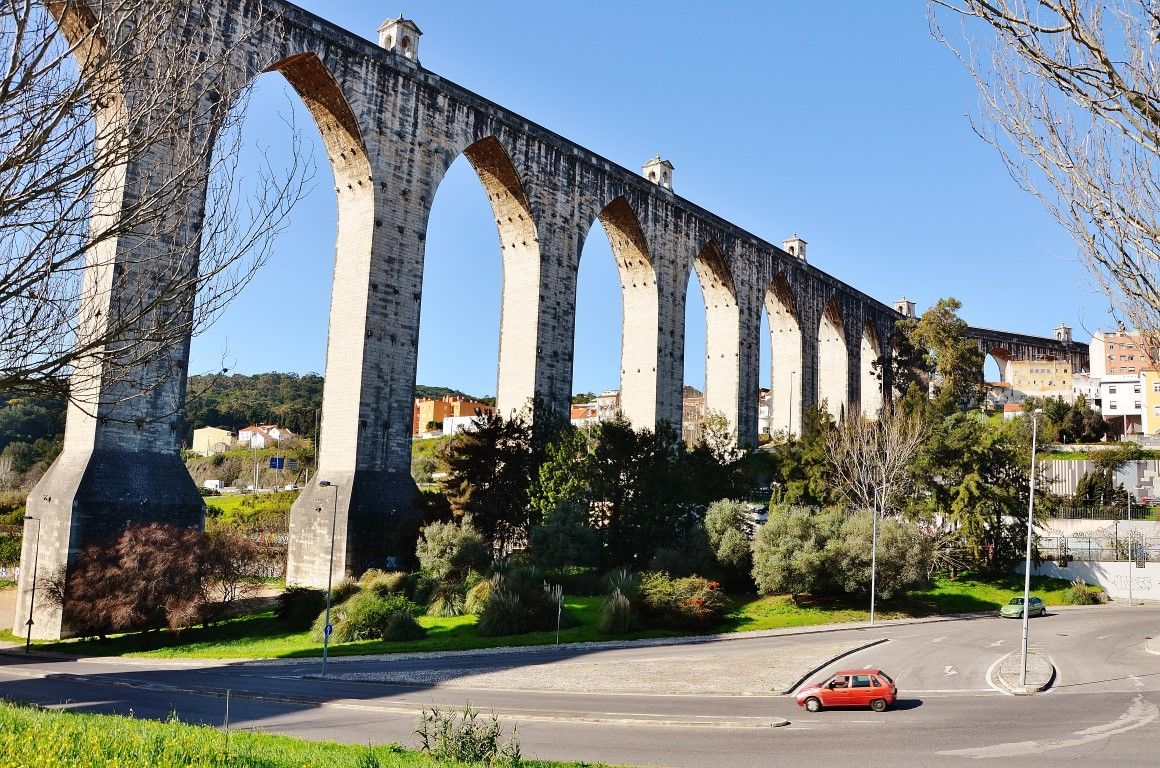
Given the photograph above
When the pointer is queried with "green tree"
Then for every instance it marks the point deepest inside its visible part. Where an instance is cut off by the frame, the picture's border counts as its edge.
(489, 471)
(565, 537)
(789, 553)
(728, 526)
(952, 361)
(904, 556)
(802, 462)
(448, 551)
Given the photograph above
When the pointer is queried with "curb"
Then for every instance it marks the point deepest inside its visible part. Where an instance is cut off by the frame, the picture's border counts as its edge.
(1029, 690)
(827, 663)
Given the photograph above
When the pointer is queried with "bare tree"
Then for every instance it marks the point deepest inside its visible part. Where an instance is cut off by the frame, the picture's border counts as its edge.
(123, 229)
(1070, 97)
(869, 460)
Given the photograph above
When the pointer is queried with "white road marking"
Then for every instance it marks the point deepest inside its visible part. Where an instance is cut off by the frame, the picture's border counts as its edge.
(1138, 682)
(995, 644)
(1140, 713)
(991, 670)
(939, 639)
(948, 670)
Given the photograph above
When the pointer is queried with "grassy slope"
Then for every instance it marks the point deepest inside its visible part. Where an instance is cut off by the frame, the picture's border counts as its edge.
(32, 737)
(262, 636)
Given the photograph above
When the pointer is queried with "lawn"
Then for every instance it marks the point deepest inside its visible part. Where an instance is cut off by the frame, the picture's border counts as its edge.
(35, 737)
(260, 635)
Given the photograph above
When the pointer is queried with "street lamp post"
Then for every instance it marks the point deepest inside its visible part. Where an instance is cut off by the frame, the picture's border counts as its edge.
(326, 630)
(1027, 564)
(1131, 546)
(32, 600)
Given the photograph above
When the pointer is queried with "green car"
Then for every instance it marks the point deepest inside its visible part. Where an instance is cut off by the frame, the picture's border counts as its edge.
(1014, 609)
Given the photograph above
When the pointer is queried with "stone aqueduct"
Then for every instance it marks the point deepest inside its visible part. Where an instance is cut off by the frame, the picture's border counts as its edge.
(391, 129)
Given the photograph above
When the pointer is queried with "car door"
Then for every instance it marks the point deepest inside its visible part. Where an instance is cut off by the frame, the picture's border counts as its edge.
(860, 691)
(836, 692)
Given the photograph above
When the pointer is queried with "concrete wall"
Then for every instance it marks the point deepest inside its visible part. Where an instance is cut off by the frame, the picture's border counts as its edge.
(1113, 577)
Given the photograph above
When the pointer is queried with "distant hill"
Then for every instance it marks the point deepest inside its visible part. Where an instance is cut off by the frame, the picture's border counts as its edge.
(434, 393)
(289, 400)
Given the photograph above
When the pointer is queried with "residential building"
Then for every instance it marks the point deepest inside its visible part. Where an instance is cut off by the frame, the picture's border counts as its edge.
(1001, 393)
(1087, 385)
(692, 418)
(607, 405)
(1122, 401)
(1041, 378)
(764, 410)
(209, 441)
(1012, 410)
(429, 414)
(263, 435)
(1119, 353)
(1150, 419)
(584, 414)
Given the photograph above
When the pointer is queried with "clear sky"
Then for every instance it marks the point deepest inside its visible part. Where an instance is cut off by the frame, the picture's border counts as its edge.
(842, 121)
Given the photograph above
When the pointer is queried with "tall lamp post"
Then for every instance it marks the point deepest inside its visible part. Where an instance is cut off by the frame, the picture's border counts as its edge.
(327, 629)
(32, 600)
(1027, 565)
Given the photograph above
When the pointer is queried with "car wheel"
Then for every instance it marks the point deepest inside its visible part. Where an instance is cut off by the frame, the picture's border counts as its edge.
(878, 705)
(1043, 611)
(813, 705)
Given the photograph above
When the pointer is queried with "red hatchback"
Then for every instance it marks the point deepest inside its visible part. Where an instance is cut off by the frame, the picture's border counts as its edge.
(850, 688)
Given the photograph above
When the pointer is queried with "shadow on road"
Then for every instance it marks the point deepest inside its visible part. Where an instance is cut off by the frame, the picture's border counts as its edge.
(906, 704)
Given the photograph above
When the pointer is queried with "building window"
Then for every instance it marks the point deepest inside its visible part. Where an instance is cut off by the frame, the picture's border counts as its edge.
(1111, 390)
(1156, 386)
(1111, 406)
(1137, 405)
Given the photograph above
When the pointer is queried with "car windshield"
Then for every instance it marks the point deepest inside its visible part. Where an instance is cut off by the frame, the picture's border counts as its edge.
(1015, 601)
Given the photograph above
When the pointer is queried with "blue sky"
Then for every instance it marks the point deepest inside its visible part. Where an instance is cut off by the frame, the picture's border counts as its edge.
(842, 121)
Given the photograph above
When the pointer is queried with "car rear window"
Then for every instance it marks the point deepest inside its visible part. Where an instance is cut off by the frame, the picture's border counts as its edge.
(886, 677)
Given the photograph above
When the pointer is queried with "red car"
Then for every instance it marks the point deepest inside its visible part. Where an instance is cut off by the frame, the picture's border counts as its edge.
(850, 688)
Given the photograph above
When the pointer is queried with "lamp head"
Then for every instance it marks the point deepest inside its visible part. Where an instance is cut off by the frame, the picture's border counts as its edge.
(325, 483)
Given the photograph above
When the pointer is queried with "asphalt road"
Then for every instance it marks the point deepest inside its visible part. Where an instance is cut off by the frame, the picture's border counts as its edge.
(1104, 705)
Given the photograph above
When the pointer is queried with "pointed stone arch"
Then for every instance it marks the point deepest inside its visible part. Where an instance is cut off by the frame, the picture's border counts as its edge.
(870, 397)
(722, 332)
(833, 361)
(639, 299)
(785, 357)
(520, 255)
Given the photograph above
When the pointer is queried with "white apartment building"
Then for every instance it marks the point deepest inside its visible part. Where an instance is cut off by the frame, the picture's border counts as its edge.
(1122, 398)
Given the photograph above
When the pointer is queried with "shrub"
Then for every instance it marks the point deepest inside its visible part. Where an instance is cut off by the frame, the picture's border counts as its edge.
(343, 590)
(904, 557)
(368, 616)
(382, 583)
(1079, 594)
(448, 551)
(616, 614)
(298, 606)
(477, 596)
(564, 538)
(624, 580)
(503, 614)
(688, 603)
(446, 604)
(727, 524)
(451, 737)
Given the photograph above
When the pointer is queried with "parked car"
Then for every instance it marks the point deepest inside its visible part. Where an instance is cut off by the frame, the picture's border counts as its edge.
(850, 688)
(1014, 608)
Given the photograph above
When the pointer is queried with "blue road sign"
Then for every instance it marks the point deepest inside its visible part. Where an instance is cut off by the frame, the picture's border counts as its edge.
(291, 464)
(277, 462)
(329, 630)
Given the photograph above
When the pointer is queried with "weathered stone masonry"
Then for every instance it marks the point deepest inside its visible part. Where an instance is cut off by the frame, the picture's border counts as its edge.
(391, 129)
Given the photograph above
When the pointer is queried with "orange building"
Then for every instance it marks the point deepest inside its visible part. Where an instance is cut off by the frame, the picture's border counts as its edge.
(428, 411)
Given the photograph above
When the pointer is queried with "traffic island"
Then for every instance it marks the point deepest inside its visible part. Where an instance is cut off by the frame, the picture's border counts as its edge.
(1040, 673)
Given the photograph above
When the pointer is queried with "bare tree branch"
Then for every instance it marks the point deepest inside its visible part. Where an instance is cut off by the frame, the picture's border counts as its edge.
(124, 227)
(869, 459)
(1070, 98)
